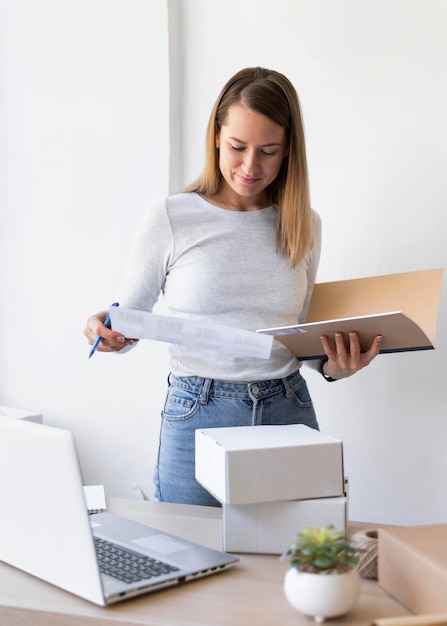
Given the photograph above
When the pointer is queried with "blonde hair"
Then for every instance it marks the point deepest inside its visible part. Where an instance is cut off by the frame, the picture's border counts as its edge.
(272, 94)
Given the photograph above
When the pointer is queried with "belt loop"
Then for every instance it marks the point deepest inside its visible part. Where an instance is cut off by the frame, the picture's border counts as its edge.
(205, 392)
(287, 387)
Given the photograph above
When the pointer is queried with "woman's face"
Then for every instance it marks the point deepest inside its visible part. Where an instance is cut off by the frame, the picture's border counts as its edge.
(251, 150)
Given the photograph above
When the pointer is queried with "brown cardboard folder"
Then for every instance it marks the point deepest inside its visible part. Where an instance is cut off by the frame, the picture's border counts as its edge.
(403, 308)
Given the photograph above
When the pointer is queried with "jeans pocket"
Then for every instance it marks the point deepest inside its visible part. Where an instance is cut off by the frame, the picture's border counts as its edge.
(180, 404)
(300, 394)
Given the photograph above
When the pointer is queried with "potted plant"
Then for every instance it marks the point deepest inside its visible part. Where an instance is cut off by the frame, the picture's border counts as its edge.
(322, 579)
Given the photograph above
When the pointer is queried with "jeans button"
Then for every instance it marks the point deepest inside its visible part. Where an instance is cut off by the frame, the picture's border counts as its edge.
(255, 389)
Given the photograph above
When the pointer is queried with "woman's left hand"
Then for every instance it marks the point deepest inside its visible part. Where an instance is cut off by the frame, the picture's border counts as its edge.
(342, 361)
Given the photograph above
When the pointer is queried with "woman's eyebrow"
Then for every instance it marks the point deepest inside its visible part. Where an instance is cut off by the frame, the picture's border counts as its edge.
(264, 145)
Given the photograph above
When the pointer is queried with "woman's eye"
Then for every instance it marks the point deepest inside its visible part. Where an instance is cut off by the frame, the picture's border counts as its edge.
(242, 148)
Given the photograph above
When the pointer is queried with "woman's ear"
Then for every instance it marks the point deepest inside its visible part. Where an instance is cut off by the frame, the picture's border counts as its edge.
(217, 141)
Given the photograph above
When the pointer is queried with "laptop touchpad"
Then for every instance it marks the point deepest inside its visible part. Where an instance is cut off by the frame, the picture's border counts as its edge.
(160, 544)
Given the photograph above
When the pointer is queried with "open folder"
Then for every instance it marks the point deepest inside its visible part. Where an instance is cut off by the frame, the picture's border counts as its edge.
(403, 308)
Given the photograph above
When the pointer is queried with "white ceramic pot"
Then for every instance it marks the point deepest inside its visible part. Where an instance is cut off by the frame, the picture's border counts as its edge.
(322, 595)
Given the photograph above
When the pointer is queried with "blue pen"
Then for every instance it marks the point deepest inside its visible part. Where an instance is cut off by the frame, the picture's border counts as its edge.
(99, 339)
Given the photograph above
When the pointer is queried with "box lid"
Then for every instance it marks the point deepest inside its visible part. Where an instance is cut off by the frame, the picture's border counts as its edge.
(241, 438)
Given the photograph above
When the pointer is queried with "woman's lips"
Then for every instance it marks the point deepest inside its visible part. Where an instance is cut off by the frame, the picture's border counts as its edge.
(248, 181)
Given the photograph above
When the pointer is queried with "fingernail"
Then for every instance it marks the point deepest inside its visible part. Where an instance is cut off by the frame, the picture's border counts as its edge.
(121, 339)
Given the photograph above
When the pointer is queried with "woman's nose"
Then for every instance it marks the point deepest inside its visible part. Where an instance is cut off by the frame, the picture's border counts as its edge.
(251, 164)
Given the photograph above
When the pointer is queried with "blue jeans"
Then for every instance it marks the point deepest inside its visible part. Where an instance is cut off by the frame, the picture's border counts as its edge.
(193, 402)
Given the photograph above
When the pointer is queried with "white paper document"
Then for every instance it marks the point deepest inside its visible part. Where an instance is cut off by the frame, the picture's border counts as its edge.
(196, 334)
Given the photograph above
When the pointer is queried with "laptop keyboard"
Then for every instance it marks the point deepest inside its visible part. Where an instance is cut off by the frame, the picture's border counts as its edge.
(126, 565)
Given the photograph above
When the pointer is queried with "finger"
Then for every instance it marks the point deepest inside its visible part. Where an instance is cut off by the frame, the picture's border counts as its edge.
(113, 346)
(354, 342)
(327, 347)
(114, 343)
(342, 352)
(95, 328)
(95, 323)
(91, 330)
(373, 351)
(354, 349)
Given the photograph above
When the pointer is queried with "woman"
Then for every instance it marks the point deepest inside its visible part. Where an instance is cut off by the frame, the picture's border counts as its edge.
(239, 247)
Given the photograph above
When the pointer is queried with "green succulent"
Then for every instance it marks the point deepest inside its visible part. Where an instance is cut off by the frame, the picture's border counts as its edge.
(322, 551)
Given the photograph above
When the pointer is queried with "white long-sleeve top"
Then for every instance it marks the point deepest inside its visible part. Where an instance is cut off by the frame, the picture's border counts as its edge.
(221, 266)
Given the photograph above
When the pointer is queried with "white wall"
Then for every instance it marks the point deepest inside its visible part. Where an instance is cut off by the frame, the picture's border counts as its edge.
(84, 117)
(85, 147)
(373, 87)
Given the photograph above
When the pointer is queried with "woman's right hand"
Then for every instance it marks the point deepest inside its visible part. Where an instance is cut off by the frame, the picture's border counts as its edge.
(111, 340)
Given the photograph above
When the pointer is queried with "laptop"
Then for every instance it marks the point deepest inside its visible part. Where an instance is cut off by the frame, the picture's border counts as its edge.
(46, 530)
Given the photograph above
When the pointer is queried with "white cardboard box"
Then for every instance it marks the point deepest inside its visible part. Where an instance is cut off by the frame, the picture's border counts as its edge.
(251, 464)
(31, 416)
(271, 527)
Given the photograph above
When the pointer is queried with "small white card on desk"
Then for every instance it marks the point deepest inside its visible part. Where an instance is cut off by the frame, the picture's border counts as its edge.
(95, 498)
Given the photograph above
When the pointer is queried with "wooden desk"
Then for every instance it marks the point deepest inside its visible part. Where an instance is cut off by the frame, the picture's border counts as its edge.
(250, 593)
